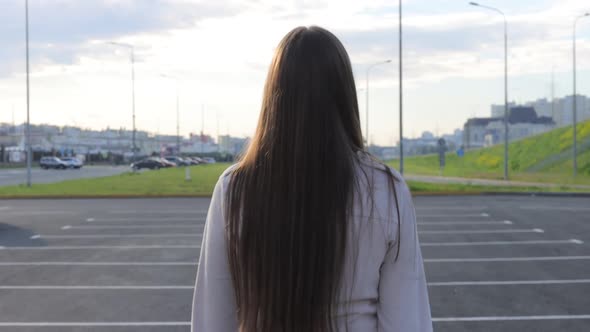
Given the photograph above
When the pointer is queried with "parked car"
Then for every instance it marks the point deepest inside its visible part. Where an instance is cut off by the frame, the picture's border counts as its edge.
(178, 161)
(165, 162)
(209, 160)
(52, 162)
(73, 162)
(192, 160)
(198, 160)
(150, 163)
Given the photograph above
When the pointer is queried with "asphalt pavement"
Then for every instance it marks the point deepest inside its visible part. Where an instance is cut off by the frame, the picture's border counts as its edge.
(493, 263)
(15, 176)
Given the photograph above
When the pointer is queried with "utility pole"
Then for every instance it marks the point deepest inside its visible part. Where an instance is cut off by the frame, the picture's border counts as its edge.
(401, 95)
(202, 127)
(28, 128)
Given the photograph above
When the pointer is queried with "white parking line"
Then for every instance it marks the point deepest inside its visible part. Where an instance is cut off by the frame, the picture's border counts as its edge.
(154, 212)
(478, 215)
(103, 247)
(98, 263)
(458, 208)
(484, 231)
(91, 324)
(131, 226)
(508, 318)
(499, 243)
(145, 219)
(504, 259)
(505, 222)
(555, 208)
(122, 287)
(114, 236)
(509, 282)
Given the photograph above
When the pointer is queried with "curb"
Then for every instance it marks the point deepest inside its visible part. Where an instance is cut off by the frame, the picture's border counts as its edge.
(415, 194)
(60, 197)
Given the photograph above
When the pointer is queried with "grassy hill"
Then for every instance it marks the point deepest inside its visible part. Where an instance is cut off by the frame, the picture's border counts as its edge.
(543, 158)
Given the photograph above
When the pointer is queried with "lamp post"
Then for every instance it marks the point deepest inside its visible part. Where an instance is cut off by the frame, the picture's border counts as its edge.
(177, 110)
(575, 108)
(505, 84)
(28, 128)
(132, 52)
(401, 94)
(367, 97)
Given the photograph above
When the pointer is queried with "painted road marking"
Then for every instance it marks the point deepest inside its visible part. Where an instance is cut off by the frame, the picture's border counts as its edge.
(509, 282)
(439, 216)
(146, 219)
(508, 318)
(484, 231)
(114, 236)
(90, 324)
(98, 263)
(104, 247)
(504, 259)
(84, 287)
(167, 212)
(499, 243)
(458, 208)
(505, 222)
(132, 226)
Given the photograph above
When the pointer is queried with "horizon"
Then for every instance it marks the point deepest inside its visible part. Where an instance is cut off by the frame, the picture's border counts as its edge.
(452, 60)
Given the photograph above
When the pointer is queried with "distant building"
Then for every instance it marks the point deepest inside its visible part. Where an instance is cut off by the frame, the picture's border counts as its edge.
(232, 145)
(523, 121)
(558, 109)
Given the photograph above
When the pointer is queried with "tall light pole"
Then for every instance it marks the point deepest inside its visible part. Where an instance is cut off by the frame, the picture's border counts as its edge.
(401, 94)
(367, 97)
(177, 110)
(28, 128)
(505, 84)
(575, 110)
(132, 52)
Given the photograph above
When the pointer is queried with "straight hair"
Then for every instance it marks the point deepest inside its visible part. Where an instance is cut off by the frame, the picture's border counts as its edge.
(290, 196)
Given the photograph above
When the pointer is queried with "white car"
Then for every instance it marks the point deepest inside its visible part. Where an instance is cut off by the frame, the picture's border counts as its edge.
(73, 162)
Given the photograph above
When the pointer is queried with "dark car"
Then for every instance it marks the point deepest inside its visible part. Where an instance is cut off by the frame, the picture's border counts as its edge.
(148, 163)
(165, 162)
(178, 161)
(192, 161)
(53, 162)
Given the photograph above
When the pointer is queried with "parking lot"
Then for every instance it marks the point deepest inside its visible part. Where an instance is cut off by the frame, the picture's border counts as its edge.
(14, 176)
(493, 263)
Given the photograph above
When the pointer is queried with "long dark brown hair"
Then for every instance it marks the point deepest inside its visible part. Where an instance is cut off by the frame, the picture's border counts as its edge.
(290, 196)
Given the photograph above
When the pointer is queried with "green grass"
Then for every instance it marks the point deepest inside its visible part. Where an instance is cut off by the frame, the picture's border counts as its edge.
(149, 183)
(170, 182)
(546, 152)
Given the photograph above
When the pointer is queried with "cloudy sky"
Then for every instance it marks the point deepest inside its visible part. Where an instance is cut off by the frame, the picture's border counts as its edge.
(219, 51)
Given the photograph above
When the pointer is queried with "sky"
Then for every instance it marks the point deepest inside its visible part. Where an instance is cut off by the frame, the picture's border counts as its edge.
(215, 55)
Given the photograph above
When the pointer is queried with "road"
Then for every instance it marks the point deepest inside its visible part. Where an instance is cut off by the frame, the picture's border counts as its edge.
(500, 263)
(486, 182)
(14, 176)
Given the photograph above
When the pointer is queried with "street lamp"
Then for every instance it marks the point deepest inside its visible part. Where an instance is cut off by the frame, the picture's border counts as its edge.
(177, 110)
(28, 128)
(401, 94)
(575, 115)
(505, 84)
(367, 97)
(132, 52)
